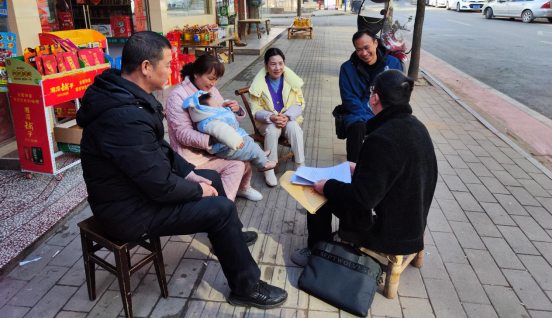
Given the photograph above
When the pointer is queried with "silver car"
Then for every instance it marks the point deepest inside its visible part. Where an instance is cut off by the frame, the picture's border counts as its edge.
(527, 10)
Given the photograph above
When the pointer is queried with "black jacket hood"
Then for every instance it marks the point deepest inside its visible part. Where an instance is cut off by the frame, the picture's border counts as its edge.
(110, 90)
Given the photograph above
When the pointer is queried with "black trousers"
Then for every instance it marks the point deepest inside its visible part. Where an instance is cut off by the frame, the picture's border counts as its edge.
(319, 225)
(355, 138)
(218, 217)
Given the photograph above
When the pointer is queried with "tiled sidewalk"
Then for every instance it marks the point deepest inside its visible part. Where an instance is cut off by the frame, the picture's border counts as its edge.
(488, 243)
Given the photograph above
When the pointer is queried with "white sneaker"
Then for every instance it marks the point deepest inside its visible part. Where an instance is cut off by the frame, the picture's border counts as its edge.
(299, 165)
(250, 194)
(270, 178)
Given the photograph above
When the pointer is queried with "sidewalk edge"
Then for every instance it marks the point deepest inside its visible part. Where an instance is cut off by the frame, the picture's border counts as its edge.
(13, 263)
(489, 126)
(543, 119)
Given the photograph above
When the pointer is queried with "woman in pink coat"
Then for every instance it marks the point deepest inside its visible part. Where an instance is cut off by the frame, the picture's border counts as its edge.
(191, 144)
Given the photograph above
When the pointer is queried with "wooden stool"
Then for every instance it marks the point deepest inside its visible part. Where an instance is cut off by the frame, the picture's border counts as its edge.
(394, 268)
(300, 30)
(91, 233)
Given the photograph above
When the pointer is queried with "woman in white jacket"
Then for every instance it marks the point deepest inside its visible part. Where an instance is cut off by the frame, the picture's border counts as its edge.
(277, 103)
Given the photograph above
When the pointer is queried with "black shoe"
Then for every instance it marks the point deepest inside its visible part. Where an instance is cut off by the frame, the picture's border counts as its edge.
(250, 237)
(263, 296)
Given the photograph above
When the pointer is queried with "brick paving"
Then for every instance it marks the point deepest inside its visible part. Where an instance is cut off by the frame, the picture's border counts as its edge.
(488, 243)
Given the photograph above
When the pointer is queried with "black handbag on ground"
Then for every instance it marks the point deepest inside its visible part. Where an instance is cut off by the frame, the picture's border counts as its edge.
(342, 276)
(339, 115)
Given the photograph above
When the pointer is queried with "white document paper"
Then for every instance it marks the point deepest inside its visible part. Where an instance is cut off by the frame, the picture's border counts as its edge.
(295, 179)
(341, 172)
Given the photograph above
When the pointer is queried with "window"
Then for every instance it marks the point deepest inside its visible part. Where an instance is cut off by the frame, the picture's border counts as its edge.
(184, 8)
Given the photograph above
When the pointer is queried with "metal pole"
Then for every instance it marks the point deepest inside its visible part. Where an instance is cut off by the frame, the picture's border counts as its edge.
(299, 7)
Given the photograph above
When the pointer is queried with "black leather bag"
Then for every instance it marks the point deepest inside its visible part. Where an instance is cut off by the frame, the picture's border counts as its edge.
(339, 116)
(342, 276)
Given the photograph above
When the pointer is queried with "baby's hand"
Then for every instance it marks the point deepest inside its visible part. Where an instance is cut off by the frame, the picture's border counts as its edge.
(241, 145)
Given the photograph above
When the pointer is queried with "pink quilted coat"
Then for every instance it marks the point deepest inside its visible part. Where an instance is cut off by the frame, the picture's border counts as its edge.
(191, 144)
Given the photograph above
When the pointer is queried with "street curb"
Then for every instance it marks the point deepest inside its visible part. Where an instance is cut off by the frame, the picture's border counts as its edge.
(13, 263)
(543, 119)
(489, 126)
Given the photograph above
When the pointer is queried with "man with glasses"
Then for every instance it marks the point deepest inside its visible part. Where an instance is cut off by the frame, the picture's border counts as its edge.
(355, 76)
(385, 206)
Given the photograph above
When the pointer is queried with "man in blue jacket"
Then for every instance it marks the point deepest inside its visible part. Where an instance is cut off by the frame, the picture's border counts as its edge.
(355, 78)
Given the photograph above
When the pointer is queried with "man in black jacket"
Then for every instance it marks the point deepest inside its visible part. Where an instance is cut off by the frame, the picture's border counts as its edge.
(395, 176)
(137, 185)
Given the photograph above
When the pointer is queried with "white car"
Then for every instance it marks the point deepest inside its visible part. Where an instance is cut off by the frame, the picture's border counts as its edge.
(436, 3)
(526, 10)
(465, 5)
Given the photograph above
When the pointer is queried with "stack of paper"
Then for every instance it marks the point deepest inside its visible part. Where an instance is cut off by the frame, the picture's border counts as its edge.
(308, 175)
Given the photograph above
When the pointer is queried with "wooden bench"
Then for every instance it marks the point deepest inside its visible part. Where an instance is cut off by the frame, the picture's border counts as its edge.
(257, 136)
(93, 239)
(300, 30)
(242, 24)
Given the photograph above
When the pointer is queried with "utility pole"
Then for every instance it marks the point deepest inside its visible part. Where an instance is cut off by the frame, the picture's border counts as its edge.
(299, 3)
(414, 67)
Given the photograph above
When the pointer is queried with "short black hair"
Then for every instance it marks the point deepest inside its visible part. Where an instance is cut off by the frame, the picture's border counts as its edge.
(142, 46)
(203, 98)
(393, 88)
(273, 51)
(358, 34)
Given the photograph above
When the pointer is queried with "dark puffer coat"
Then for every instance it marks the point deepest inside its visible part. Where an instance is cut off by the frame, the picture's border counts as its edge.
(130, 171)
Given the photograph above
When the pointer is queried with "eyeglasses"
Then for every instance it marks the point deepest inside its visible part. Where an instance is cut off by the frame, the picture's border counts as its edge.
(371, 89)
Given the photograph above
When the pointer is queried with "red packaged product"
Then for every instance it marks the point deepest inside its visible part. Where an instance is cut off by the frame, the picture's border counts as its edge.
(61, 63)
(86, 57)
(120, 26)
(50, 64)
(71, 61)
(98, 55)
(175, 73)
(39, 66)
(175, 49)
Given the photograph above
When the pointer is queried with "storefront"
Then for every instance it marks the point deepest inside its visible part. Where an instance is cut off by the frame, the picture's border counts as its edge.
(116, 19)
(7, 49)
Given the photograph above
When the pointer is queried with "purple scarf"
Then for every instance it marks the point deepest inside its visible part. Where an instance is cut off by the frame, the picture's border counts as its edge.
(277, 98)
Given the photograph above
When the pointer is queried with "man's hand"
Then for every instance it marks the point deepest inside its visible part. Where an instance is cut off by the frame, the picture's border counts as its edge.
(208, 191)
(352, 166)
(319, 186)
(199, 179)
(232, 104)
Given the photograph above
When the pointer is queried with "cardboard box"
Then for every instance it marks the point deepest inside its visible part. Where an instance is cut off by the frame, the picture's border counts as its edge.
(68, 132)
(120, 26)
(104, 29)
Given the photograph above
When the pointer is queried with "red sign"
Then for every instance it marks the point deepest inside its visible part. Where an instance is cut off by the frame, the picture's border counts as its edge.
(96, 2)
(66, 88)
(31, 128)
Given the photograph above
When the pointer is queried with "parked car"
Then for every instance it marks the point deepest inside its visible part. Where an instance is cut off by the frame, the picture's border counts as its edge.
(436, 3)
(527, 10)
(465, 5)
